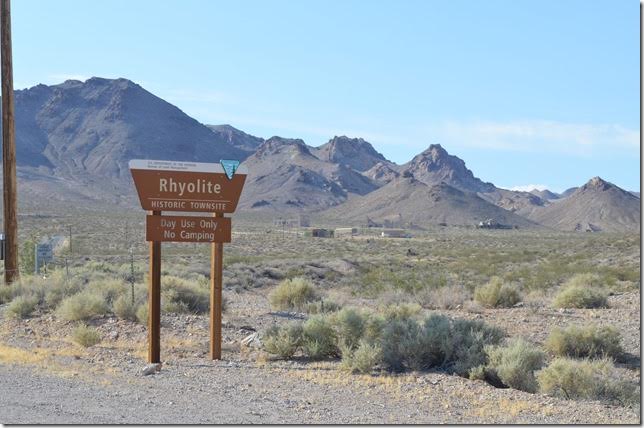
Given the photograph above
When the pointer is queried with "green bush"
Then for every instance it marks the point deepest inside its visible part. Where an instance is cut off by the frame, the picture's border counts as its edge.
(292, 294)
(82, 306)
(124, 308)
(497, 294)
(585, 341)
(318, 338)
(515, 364)
(363, 358)
(142, 314)
(86, 336)
(22, 306)
(350, 325)
(573, 295)
(283, 341)
(588, 379)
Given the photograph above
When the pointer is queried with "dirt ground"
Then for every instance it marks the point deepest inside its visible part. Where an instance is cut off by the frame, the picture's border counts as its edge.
(49, 380)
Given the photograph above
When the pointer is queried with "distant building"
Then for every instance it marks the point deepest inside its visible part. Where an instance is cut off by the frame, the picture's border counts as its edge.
(343, 232)
(321, 233)
(395, 233)
(490, 223)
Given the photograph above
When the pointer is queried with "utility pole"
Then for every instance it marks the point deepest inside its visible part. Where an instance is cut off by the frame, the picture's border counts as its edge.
(8, 148)
(70, 239)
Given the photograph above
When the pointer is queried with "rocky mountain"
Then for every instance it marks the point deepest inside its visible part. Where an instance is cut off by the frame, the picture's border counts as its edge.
(285, 175)
(406, 201)
(382, 172)
(236, 138)
(545, 194)
(597, 205)
(355, 153)
(95, 127)
(74, 142)
(435, 165)
(567, 192)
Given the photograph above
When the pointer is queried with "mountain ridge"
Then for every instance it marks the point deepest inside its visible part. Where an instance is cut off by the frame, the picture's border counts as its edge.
(75, 139)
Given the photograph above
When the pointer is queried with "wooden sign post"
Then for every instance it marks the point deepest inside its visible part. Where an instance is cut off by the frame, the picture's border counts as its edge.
(193, 187)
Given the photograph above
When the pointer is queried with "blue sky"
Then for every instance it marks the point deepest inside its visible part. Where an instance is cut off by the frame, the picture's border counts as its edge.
(527, 93)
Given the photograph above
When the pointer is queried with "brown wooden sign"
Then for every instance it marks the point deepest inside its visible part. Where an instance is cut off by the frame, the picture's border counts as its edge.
(186, 186)
(187, 229)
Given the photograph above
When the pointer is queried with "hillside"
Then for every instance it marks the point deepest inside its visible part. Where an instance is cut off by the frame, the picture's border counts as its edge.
(97, 126)
(355, 153)
(74, 141)
(435, 165)
(412, 202)
(545, 194)
(236, 138)
(285, 175)
(596, 206)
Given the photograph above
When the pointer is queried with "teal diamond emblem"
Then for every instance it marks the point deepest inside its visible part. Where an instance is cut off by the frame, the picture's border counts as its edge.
(229, 166)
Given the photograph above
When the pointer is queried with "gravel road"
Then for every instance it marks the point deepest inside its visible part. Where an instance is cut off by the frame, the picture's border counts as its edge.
(233, 392)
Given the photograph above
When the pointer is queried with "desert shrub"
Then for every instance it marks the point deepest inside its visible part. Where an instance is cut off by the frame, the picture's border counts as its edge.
(59, 290)
(406, 344)
(444, 297)
(31, 286)
(322, 306)
(292, 294)
(587, 379)
(574, 295)
(318, 338)
(469, 339)
(586, 280)
(585, 341)
(22, 306)
(102, 267)
(497, 294)
(175, 307)
(124, 308)
(82, 306)
(453, 344)
(373, 326)
(350, 325)
(363, 358)
(399, 336)
(478, 373)
(283, 341)
(86, 336)
(109, 289)
(142, 314)
(183, 296)
(6, 293)
(515, 364)
(401, 311)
